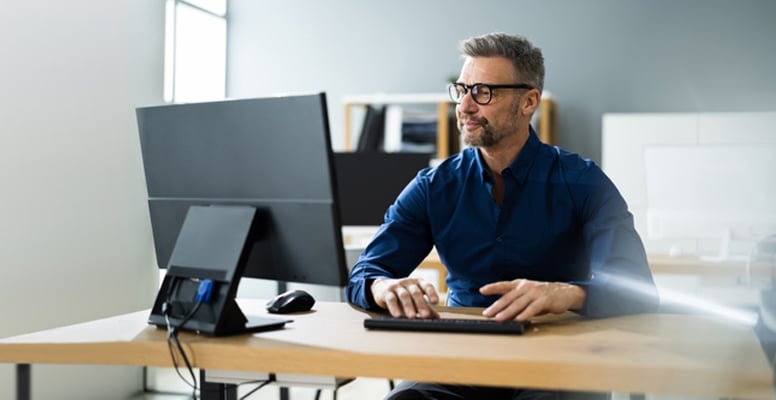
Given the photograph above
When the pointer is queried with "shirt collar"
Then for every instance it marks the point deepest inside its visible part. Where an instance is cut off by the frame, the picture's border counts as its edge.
(521, 165)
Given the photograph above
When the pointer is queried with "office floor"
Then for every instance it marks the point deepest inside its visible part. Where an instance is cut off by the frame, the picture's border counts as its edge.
(359, 389)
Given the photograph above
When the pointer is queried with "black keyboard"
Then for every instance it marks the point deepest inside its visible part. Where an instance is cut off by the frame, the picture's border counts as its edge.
(465, 325)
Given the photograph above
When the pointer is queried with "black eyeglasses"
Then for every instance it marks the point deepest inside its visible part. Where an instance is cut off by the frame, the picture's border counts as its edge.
(482, 93)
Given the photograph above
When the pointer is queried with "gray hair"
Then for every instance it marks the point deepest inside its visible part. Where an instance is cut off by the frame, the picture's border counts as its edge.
(525, 57)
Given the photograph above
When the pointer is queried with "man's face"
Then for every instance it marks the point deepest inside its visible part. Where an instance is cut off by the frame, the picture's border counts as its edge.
(488, 125)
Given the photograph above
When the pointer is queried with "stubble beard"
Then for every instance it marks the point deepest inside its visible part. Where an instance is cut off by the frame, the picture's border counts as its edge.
(488, 136)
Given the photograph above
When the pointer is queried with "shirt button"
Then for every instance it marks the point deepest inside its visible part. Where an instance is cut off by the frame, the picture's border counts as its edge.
(498, 239)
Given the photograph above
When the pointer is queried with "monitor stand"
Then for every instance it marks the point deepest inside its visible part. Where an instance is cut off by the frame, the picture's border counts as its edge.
(259, 324)
(223, 318)
(234, 322)
(199, 289)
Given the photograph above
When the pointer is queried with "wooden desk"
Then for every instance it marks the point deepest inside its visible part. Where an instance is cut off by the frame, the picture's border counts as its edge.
(653, 353)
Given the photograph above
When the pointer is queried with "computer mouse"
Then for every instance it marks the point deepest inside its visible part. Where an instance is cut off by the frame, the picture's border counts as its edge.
(291, 301)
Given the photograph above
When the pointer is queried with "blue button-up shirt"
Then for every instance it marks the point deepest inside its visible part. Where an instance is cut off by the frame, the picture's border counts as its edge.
(561, 220)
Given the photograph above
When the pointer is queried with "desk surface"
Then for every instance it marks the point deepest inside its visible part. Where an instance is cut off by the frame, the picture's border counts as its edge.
(652, 353)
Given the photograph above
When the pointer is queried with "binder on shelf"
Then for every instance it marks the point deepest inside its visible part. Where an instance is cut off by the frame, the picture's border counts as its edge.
(371, 138)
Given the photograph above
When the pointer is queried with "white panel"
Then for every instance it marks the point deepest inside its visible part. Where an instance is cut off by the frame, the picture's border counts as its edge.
(740, 128)
(711, 190)
(624, 137)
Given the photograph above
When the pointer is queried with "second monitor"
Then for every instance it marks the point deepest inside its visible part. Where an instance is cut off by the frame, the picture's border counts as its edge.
(369, 182)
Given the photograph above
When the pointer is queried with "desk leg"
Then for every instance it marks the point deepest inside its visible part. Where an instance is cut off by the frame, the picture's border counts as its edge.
(215, 391)
(23, 379)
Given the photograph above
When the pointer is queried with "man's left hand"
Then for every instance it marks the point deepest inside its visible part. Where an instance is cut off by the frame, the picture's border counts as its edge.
(523, 299)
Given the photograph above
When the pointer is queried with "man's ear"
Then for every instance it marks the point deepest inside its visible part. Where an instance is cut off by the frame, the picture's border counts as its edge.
(531, 102)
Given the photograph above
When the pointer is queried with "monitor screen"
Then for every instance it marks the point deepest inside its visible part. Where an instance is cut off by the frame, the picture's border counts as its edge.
(272, 154)
(368, 183)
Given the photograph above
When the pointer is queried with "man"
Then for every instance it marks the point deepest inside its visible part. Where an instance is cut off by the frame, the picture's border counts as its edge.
(523, 228)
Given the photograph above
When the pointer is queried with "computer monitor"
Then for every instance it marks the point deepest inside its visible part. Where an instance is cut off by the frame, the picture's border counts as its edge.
(367, 183)
(257, 171)
(716, 199)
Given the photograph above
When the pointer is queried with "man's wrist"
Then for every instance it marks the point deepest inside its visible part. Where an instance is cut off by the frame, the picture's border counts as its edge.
(369, 293)
(578, 295)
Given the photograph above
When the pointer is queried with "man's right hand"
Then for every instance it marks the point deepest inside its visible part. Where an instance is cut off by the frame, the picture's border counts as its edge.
(406, 297)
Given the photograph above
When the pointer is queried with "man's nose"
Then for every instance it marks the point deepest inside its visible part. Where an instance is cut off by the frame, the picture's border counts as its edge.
(467, 103)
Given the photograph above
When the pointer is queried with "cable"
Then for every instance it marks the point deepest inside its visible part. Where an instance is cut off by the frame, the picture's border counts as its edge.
(203, 295)
(254, 390)
(172, 338)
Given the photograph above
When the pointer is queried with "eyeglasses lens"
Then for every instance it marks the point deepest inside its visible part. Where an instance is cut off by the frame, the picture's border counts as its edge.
(456, 92)
(481, 94)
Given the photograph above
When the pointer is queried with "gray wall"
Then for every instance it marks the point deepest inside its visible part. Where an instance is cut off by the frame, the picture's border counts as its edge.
(601, 55)
(75, 240)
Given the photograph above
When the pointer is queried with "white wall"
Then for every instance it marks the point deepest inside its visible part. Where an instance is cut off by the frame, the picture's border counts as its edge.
(75, 240)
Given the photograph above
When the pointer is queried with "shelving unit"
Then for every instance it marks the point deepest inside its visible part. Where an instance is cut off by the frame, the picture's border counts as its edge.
(546, 129)
(441, 100)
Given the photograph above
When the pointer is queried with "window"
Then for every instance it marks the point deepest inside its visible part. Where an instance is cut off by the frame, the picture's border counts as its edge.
(195, 50)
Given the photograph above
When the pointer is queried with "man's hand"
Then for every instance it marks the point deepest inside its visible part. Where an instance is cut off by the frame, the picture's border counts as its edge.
(522, 299)
(406, 297)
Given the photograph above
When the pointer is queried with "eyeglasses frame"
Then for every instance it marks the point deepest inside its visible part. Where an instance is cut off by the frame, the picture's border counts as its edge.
(469, 89)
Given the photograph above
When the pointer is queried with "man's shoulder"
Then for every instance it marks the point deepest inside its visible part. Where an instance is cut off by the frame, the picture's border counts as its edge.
(570, 160)
(453, 167)
(572, 165)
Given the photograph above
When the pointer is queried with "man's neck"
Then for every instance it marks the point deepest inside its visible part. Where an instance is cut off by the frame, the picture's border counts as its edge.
(498, 157)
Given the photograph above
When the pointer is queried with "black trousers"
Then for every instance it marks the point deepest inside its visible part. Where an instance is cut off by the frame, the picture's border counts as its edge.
(408, 390)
